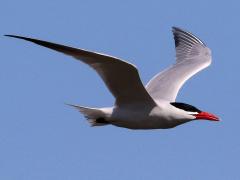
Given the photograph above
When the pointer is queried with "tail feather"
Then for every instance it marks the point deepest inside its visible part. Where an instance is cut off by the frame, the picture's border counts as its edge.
(94, 115)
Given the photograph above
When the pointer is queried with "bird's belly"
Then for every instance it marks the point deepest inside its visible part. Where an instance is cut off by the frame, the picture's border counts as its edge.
(141, 120)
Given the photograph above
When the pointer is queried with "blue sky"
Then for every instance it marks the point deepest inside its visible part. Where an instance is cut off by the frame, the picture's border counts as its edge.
(42, 138)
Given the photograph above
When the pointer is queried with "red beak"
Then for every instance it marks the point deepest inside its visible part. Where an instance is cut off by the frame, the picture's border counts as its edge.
(206, 115)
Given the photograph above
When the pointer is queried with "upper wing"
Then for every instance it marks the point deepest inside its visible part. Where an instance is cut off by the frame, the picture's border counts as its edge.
(192, 56)
(121, 78)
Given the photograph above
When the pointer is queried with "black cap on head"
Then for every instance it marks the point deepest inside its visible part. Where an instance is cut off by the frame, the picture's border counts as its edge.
(185, 107)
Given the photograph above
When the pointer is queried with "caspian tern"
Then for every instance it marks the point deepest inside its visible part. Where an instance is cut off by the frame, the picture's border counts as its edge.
(136, 106)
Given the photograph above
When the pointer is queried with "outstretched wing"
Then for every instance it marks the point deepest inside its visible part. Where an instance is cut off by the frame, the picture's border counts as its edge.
(192, 56)
(121, 78)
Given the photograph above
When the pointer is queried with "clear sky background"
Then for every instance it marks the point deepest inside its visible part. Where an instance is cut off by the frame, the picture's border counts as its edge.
(41, 138)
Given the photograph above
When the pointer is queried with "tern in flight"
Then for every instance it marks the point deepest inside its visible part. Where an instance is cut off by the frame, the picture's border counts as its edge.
(137, 106)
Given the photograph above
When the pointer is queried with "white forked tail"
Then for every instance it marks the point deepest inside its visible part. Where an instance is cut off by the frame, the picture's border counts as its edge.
(94, 115)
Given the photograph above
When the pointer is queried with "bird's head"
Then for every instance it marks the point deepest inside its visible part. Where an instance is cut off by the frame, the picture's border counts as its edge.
(198, 114)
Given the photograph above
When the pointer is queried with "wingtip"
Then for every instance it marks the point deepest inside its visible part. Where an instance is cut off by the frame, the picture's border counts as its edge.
(16, 36)
(175, 28)
(178, 32)
(72, 105)
(178, 29)
(68, 104)
(8, 35)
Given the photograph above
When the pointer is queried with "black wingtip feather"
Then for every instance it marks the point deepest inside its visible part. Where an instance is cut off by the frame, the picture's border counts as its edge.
(176, 28)
(24, 38)
(57, 47)
(39, 42)
(176, 39)
(14, 36)
(182, 35)
(36, 41)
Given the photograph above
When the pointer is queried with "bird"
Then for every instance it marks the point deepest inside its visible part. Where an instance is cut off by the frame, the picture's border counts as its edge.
(136, 106)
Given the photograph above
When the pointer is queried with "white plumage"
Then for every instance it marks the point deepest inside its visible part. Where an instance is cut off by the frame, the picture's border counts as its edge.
(136, 106)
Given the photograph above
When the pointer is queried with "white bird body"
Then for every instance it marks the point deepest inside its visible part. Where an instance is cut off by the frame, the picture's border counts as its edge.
(140, 116)
(136, 106)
